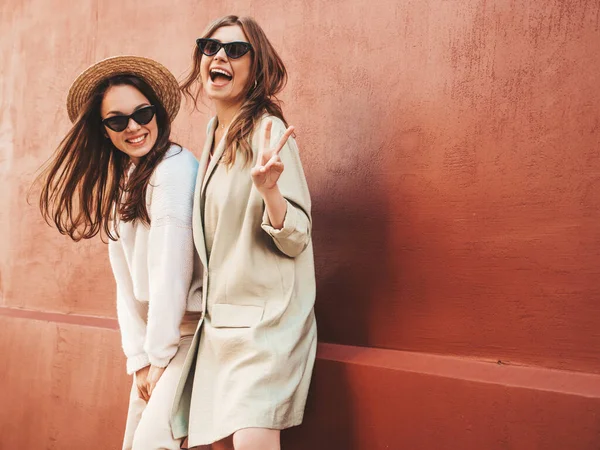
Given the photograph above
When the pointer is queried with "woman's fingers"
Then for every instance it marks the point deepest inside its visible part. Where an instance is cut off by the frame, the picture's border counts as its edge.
(288, 132)
(141, 377)
(267, 177)
(274, 165)
(268, 163)
(255, 171)
(143, 394)
(265, 152)
(153, 377)
(265, 143)
(151, 386)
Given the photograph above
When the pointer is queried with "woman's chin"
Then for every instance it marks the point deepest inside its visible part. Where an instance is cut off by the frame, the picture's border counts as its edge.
(137, 152)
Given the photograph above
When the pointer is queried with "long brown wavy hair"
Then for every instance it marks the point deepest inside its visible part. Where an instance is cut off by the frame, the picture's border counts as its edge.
(267, 78)
(85, 190)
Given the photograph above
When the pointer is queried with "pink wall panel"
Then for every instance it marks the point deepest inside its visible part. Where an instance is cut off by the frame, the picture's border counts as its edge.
(63, 387)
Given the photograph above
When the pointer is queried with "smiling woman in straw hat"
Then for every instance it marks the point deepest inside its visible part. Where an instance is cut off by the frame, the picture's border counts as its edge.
(118, 174)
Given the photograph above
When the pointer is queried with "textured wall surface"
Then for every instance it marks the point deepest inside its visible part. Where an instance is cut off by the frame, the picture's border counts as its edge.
(452, 150)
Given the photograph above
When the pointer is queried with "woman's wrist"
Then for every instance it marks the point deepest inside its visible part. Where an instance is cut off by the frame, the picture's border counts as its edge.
(270, 194)
(275, 205)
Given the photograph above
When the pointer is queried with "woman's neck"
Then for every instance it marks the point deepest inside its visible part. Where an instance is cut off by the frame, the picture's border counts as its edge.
(226, 113)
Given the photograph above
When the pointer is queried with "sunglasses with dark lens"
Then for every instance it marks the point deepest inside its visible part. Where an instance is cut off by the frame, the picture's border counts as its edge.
(142, 116)
(234, 50)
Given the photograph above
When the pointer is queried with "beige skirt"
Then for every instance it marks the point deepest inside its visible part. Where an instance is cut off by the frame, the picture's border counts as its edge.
(148, 424)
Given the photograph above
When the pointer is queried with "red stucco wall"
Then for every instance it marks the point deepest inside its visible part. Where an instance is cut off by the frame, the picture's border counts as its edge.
(452, 153)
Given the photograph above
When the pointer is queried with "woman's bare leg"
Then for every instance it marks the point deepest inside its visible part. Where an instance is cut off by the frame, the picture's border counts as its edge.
(257, 439)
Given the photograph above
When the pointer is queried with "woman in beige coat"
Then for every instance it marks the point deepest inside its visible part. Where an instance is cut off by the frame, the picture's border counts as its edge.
(248, 372)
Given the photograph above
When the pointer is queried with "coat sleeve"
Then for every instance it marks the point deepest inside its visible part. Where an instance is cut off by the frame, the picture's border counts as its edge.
(170, 255)
(295, 234)
(131, 313)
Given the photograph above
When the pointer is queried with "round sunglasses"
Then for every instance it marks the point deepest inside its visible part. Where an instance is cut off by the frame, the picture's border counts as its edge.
(233, 50)
(142, 117)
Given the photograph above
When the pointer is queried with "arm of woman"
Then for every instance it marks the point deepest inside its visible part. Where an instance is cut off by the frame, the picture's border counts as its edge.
(130, 312)
(131, 316)
(170, 258)
(280, 179)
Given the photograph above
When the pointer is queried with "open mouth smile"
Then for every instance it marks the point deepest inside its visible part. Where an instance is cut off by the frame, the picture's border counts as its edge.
(220, 77)
(138, 140)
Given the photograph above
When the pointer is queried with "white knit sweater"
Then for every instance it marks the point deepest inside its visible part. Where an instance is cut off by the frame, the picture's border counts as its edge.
(156, 268)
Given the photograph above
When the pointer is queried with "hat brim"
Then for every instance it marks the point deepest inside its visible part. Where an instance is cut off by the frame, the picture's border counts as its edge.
(162, 82)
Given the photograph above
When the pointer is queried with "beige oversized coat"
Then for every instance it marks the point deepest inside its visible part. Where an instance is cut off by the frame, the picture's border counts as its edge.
(252, 357)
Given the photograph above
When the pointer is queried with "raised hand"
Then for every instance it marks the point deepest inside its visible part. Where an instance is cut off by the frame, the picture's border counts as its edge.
(269, 166)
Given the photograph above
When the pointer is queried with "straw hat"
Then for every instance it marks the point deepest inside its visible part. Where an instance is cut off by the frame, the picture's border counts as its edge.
(156, 75)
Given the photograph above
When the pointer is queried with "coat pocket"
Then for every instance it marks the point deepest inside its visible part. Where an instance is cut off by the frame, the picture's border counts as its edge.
(224, 315)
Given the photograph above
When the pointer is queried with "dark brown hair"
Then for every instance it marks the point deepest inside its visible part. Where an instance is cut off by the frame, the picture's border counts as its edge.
(267, 78)
(84, 186)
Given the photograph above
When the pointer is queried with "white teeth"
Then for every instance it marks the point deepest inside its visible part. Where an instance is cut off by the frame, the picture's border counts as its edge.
(223, 72)
(137, 140)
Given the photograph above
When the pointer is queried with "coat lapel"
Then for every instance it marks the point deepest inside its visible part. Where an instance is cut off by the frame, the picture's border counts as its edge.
(197, 225)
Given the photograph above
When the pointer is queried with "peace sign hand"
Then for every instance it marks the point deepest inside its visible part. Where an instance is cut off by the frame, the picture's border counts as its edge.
(269, 166)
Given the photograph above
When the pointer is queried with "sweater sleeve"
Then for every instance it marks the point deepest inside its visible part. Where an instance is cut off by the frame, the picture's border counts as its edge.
(295, 234)
(131, 313)
(170, 254)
